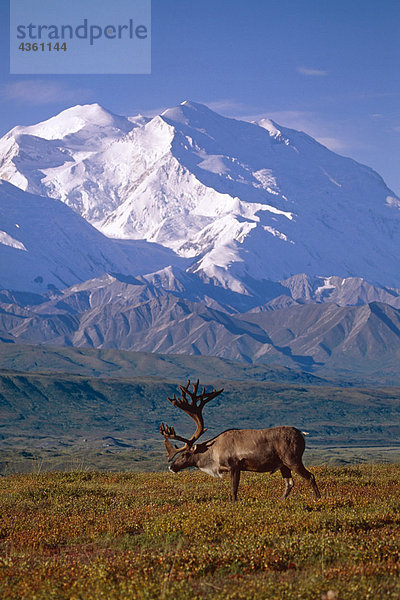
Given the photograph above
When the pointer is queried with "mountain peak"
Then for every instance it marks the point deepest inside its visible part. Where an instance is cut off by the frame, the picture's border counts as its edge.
(190, 104)
(74, 119)
(189, 112)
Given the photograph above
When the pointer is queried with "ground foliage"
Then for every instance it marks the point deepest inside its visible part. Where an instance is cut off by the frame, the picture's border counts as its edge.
(119, 536)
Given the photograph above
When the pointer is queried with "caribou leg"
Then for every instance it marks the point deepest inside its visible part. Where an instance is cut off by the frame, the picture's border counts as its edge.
(235, 478)
(309, 477)
(289, 483)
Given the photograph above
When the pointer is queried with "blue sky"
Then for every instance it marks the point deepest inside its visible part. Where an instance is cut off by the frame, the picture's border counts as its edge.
(330, 68)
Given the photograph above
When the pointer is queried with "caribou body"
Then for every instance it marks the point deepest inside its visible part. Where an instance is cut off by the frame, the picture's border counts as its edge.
(235, 450)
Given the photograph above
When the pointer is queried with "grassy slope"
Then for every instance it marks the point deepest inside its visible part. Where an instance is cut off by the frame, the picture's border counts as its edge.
(89, 536)
(119, 363)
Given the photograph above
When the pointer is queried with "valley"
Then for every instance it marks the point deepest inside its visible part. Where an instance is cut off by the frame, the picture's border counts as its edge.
(71, 418)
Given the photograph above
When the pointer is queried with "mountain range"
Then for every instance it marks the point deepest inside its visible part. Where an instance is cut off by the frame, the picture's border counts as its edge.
(195, 233)
(131, 315)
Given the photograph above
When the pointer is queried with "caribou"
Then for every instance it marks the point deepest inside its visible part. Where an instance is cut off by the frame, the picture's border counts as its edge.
(235, 450)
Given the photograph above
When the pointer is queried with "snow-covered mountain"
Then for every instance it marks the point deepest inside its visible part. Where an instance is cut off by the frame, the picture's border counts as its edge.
(243, 202)
(194, 233)
(44, 245)
(55, 158)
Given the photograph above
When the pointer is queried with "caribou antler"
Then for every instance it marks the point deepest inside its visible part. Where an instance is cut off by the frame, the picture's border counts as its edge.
(194, 409)
(169, 432)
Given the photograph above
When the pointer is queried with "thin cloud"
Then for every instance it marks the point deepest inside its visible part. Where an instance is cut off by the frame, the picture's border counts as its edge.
(38, 91)
(309, 123)
(332, 143)
(301, 120)
(312, 72)
(306, 121)
(297, 119)
(225, 106)
(149, 112)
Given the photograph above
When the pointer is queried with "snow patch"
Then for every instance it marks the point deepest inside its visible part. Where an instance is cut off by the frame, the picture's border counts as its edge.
(214, 164)
(326, 286)
(267, 180)
(330, 178)
(277, 233)
(8, 240)
(269, 126)
(392, 201)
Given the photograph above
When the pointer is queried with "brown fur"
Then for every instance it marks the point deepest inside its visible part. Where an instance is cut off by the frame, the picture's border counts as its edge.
(258, 450)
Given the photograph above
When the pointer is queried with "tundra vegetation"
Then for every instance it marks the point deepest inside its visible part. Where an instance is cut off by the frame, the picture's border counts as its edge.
(88, 535)
(119, 536)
